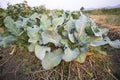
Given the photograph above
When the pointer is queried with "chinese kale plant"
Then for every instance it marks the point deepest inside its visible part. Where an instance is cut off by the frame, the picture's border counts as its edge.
(55, 36)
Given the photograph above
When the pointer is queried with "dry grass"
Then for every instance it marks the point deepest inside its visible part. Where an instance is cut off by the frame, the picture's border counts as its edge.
(108, 21)
(25, 66)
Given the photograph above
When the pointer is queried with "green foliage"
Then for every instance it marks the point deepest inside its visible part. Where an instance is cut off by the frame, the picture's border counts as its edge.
(53, 36)
(2, 16)
(114, 11)
(40, 51)
(12, 27)
(113, 19)
(52, 59)
(70, 54)
(7, 41)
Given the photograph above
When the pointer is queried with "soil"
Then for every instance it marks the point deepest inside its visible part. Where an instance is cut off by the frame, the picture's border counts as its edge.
(25, 66)
(115, 61)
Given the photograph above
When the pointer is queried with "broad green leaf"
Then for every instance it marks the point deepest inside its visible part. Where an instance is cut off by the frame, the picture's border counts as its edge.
(70, 54)
(45, 22)
(57, 21)
(22, 22)
(11, 27)
(81, 23)
(33, 34)
(31, 47)
(18, 24)
(99, 43)
(81, 58)
(51, 36)
(70, 25)
(52, 59)
(40, 51)
(83, 39)
(7, 41)
(115, 44)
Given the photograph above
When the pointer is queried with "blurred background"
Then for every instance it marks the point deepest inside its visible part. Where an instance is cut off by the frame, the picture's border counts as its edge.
(71, 5)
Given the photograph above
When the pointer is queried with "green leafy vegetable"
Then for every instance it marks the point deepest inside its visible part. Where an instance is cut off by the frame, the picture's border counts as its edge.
(51, 36)
(31, 47)
(70, 54)
(45, 22)
(81, 23)
(54, 35)
(115, 44)
(7, 41)
(33, 33)
(52, 59)
(11, 27)
(40, 51)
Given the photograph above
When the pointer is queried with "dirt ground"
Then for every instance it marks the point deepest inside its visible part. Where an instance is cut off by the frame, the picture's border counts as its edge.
(25, 66)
